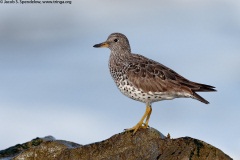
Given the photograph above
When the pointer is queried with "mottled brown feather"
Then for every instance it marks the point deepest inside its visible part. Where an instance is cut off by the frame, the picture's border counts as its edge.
(155, 77)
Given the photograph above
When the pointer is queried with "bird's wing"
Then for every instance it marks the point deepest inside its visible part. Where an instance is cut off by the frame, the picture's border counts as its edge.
(152, 76)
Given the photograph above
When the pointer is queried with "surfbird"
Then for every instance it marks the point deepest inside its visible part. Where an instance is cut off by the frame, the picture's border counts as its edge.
(146, 80)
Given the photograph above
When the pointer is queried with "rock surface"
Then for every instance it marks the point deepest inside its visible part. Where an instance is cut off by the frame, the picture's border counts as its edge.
(146, 144)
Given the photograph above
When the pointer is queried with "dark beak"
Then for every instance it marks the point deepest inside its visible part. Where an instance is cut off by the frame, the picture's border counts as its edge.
(100, 45)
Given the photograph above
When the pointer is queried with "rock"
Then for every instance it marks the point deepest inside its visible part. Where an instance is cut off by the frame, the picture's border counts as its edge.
(15, 150)
(53, 147)
(145, 144)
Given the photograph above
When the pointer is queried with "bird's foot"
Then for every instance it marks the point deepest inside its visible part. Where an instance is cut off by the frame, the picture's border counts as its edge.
(145, 125)
(136, 127)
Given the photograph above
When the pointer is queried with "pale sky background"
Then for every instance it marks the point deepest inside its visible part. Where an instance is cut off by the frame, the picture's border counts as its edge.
(53, 82)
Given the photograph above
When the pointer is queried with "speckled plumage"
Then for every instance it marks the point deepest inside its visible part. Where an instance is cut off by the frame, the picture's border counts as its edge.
(146, 80)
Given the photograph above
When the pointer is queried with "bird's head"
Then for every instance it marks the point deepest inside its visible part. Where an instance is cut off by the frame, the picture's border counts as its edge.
(115, 42)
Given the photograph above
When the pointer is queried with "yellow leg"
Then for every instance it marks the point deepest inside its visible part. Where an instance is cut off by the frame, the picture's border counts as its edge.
(148, 116)
(145, 117)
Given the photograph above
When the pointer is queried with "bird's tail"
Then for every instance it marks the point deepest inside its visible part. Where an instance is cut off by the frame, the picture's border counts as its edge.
(202, 88)
(198, 97)
(205, 88)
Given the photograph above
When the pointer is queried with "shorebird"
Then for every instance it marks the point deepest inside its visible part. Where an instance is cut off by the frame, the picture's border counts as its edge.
(146, 80)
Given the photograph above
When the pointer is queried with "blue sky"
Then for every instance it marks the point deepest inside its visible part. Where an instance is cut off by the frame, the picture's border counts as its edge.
(53, 82)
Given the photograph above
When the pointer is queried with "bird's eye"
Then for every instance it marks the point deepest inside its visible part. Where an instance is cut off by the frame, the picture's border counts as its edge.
(115, 40)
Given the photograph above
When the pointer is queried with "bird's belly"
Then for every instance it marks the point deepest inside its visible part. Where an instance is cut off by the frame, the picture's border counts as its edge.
(147, 97)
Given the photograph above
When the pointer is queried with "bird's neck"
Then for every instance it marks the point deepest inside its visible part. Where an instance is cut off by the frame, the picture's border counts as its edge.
(120, 55)
(118, 60)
